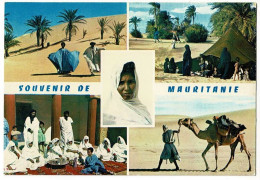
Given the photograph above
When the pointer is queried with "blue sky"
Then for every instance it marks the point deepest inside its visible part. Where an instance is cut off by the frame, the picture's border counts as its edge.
(19, 13)
(198, 105)
(141, 10)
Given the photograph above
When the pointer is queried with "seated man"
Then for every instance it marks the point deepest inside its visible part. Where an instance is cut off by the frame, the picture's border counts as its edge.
(71, 152)
(93, 165)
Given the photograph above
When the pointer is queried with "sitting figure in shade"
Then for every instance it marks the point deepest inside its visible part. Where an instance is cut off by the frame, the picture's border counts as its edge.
(166, 66)
(64, 60)
(71, 152)
(93, 165)
(12, 161)
(104, 151)
(53, 150)
(172, 66)
(31, 158)
(83, 147)
(120, 150)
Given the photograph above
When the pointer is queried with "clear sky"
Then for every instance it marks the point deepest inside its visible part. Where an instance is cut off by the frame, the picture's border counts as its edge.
(198, 105)
(19, 13)
(141, 10)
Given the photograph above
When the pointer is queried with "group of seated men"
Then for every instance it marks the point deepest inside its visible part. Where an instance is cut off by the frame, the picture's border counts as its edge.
(85, 154)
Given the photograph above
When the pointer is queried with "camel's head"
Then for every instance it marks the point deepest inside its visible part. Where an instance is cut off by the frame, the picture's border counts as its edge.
(185, 122)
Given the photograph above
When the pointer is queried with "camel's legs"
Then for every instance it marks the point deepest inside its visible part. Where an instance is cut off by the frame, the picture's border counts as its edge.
(233, 148)
(216, 156)
(204, 153)
(247, 152)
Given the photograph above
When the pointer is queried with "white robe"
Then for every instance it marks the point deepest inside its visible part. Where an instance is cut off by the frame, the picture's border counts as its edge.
(120, 150)
(118, 111)
(106, 153)
(31, 153)
(34, 126)
(66, 131)
(84, 145)
(12, 160)
(92, 57)
(71, 155)
(55, 151)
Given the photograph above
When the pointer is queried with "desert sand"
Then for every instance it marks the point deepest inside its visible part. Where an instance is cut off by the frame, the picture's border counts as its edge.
(146, 146)
(163, 49)
(29, 63)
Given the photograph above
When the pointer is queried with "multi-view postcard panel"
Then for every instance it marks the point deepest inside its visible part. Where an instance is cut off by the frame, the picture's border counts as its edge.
(168, 89)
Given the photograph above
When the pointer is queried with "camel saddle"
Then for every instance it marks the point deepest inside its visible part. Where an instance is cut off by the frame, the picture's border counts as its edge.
(226, 126)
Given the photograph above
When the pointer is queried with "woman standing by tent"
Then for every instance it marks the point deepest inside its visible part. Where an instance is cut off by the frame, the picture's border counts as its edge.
(225, 60)
(186, 66)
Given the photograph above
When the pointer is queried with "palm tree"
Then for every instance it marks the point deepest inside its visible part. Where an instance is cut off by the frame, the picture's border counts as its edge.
(84, 33)
(117, 28)
(135, 20)
(155, 11)
(45, 31)
(37, 23)
(241, 15)
(8, 26)
(10, 41)
(191, 12)
(70, 17)
(103, 22)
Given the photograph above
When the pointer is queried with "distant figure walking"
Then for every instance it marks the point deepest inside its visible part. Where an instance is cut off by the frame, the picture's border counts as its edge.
(156, 35)
(186, 66)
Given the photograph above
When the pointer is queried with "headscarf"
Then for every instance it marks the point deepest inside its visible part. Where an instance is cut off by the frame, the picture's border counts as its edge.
(83, 144)
(9, 156)
(120, 111)
(102, 149)
(30, 152)
(120, 146)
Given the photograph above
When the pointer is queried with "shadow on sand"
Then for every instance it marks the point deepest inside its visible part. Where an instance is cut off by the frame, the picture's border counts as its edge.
(78, 75)
(46, 74)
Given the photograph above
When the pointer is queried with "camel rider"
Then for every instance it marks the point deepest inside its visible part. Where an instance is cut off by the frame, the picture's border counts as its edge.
(169, 151)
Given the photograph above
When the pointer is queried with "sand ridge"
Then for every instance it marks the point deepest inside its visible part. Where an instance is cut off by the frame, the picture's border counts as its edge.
(29, 63)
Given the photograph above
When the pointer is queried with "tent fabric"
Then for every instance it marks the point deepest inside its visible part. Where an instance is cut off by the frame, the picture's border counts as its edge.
(64, 60)
(236, 44)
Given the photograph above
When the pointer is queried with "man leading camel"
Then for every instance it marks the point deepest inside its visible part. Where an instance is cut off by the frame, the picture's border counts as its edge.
(169, 151)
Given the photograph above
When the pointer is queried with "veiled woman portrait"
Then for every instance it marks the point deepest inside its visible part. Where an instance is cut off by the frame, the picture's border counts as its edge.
(122, 106)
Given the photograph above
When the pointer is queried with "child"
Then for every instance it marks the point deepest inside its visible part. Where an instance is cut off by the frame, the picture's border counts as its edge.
(14, 135)
(41, 137)
(93, 165)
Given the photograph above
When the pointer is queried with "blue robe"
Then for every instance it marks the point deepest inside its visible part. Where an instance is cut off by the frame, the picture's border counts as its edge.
(64, 60)
(6, 131)
(92, 164)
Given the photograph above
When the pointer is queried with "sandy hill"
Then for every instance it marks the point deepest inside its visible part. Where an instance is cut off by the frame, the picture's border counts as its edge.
(28, 62)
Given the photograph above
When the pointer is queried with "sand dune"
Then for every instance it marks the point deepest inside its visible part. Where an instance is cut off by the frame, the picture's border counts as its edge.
(146, 146)
(28, 62)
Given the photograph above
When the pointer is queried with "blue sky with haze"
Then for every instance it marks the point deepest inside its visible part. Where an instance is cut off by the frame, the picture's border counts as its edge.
(19, 13)
(141, 10)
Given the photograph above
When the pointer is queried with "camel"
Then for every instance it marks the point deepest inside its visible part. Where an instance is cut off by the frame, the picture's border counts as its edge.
(213, 138)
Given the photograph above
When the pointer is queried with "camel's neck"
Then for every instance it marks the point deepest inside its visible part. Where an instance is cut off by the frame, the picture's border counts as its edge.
(196, 130)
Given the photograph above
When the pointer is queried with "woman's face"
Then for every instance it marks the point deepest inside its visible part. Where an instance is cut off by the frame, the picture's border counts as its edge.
(127, 86)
